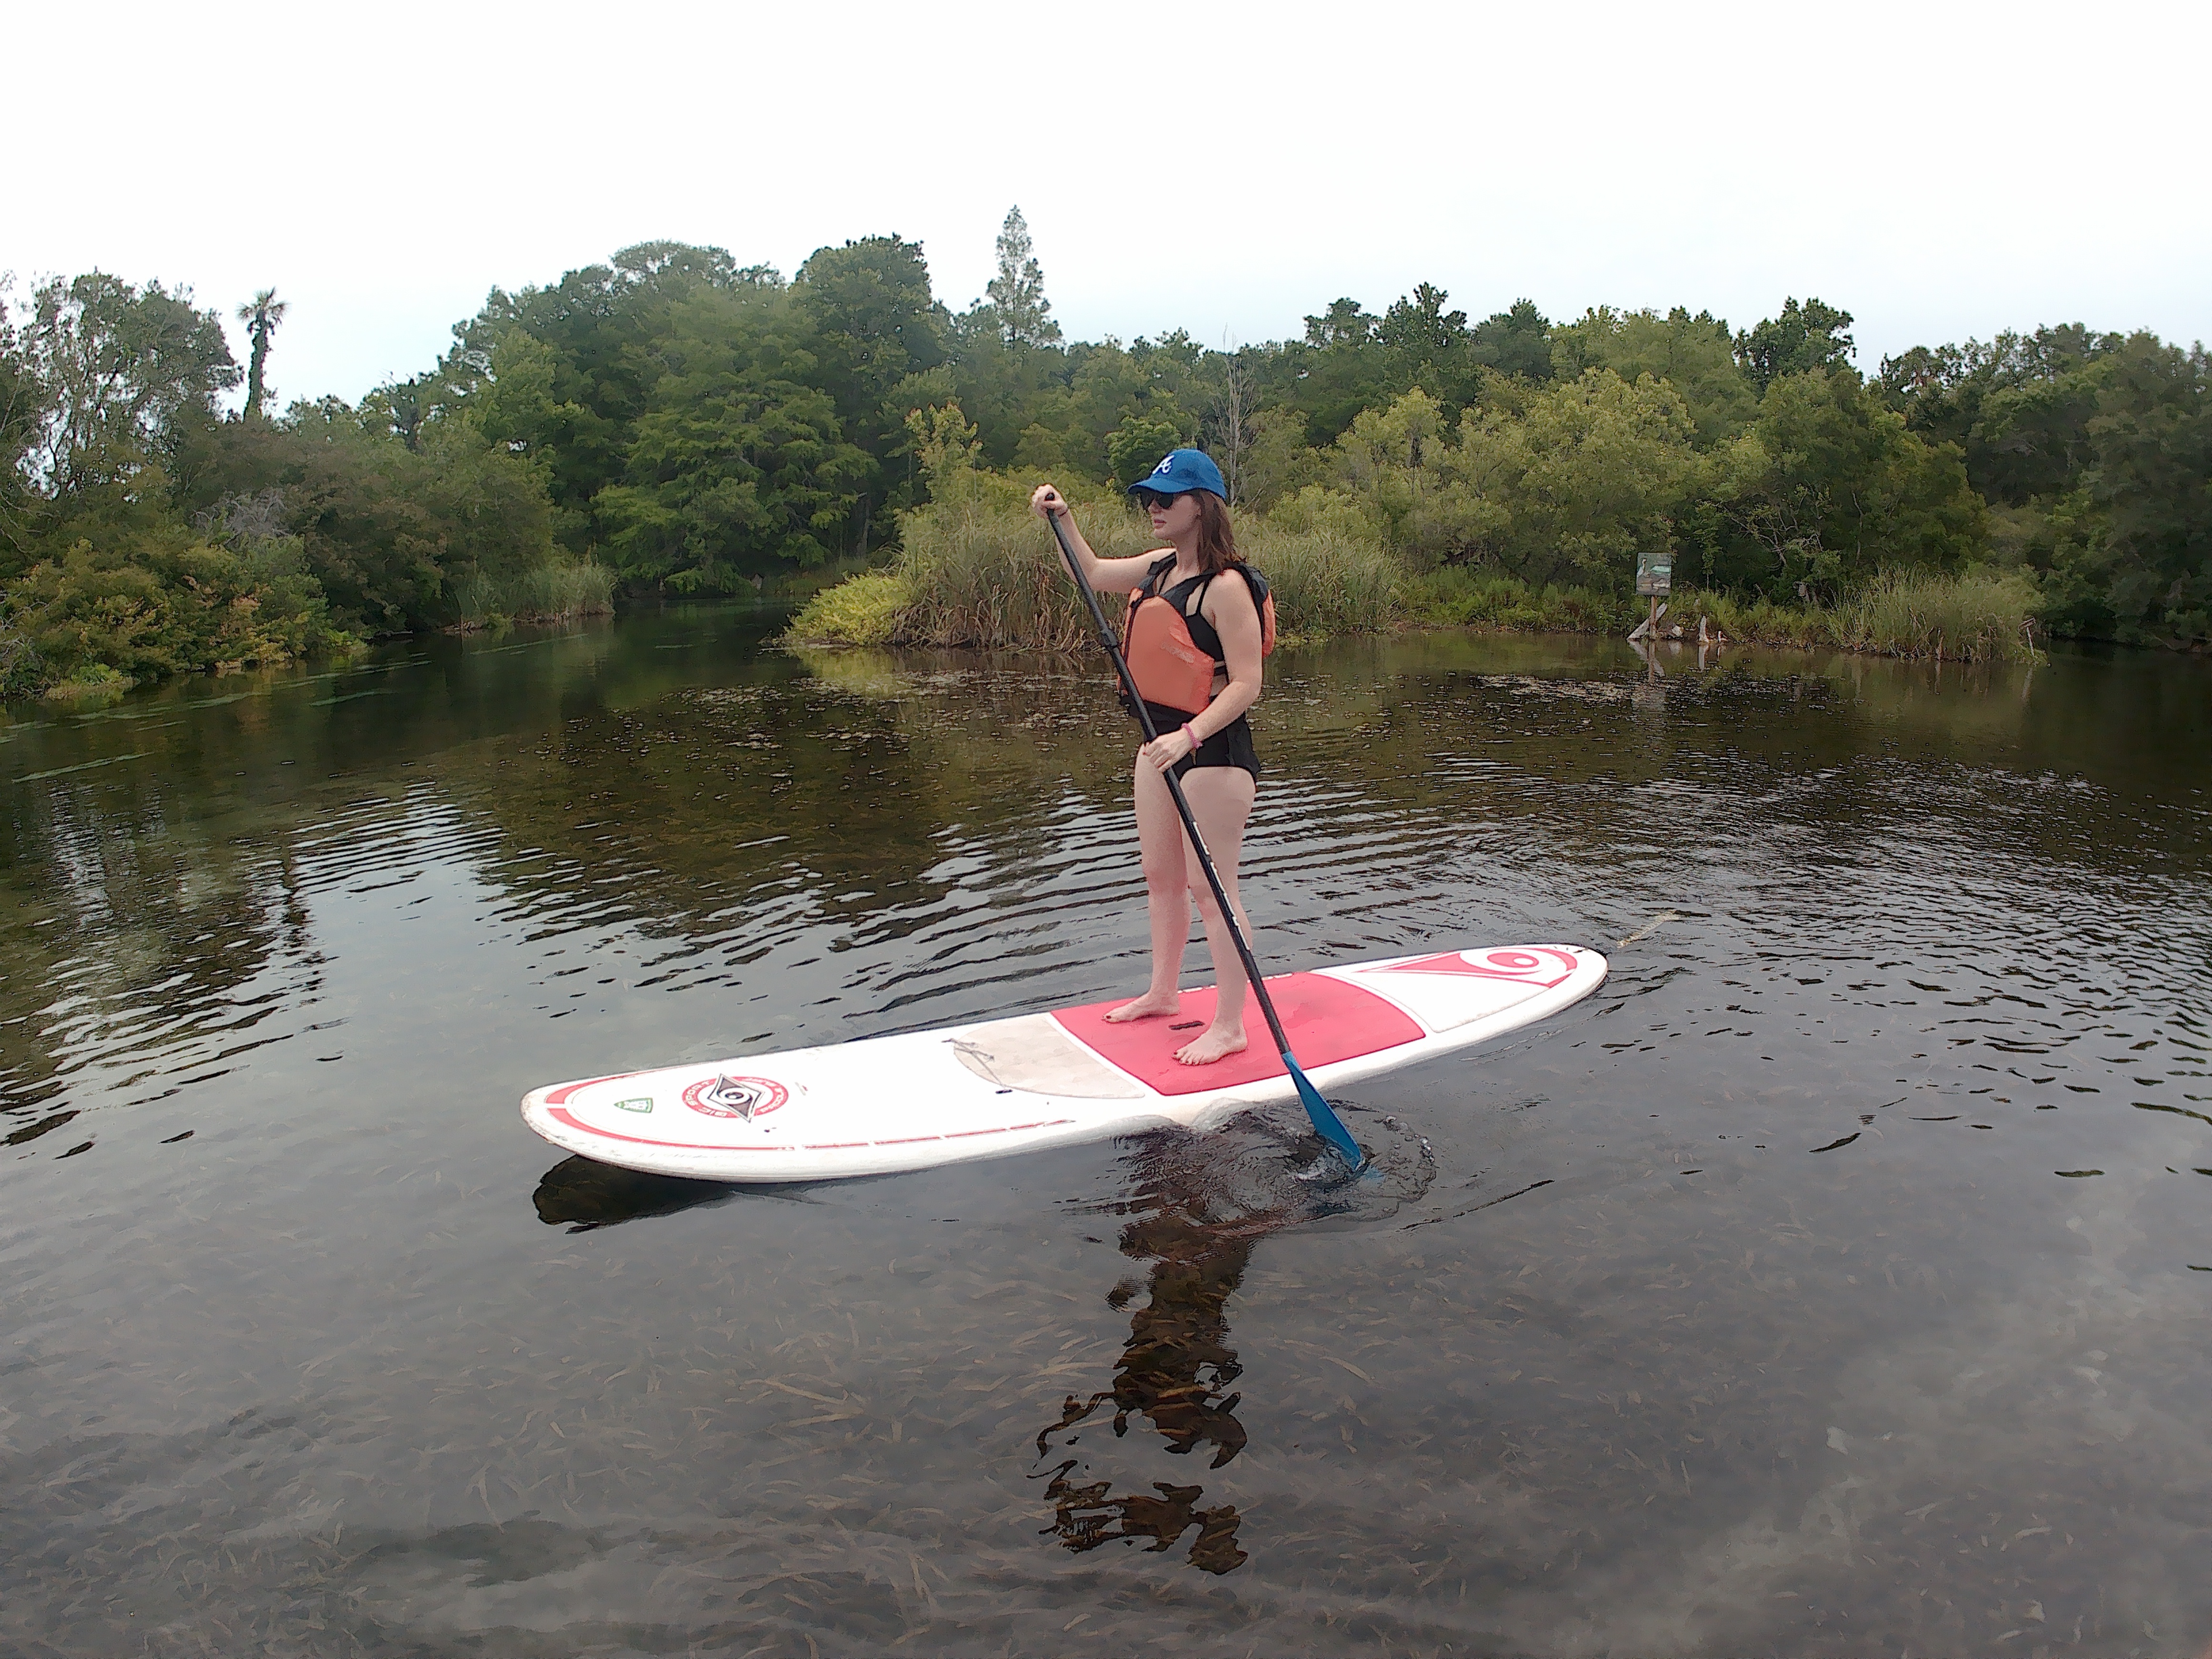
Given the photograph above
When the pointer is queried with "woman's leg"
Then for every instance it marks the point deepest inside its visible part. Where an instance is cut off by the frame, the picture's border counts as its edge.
(1167, 893)
(1221, 800)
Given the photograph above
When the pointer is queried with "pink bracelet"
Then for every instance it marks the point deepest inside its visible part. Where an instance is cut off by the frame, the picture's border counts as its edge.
(1192, 735)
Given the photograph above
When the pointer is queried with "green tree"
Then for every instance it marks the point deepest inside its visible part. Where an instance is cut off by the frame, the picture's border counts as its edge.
(1693, 354)
(1829, 487)
(876, 326)
(606, 327)
(1589, 473)
(1016, 293)
(1570, 484)
(2133, 557)
(261, 315)
(114, 375)
(1011, 388)
(1429, 348)
(388, 533)
(162, 610)
(1134, 448)
(21, 413)
(1518, 342)
(2018, 406)
(738, 466)
(1341, 370)
(1803, 340)
(878, 336)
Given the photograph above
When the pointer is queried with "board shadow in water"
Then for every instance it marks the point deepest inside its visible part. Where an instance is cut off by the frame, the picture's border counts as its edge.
(1196, 1206)
(582, 1195)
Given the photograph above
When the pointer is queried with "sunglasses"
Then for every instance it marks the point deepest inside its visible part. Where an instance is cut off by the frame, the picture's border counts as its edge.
(1149, 499)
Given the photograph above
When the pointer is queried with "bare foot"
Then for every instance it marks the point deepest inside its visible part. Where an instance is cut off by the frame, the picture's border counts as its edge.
(1210, 1046)
(1147, 1006)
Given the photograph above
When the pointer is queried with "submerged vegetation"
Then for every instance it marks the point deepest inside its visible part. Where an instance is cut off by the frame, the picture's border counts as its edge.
(672, 422)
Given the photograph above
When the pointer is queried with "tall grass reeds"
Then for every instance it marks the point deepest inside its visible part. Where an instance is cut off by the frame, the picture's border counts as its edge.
(1983, 615)
(1976, 616)
(983, 570)
(554, 592)
(1324, 582)
(978, 568)
(1455, 595)
(1980, 615)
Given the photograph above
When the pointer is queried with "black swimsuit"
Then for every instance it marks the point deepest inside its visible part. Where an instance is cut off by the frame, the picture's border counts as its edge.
(1232, 744)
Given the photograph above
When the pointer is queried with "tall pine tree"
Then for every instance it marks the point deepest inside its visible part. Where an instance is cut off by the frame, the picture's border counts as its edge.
(1016, 293)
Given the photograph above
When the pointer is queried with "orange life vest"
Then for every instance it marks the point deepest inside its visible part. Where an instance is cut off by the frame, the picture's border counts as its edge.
(1170, 666)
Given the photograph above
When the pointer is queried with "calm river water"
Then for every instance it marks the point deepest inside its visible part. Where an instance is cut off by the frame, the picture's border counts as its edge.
(1836, 1281)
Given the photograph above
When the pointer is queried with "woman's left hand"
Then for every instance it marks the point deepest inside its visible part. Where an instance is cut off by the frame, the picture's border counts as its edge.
(1165, 751)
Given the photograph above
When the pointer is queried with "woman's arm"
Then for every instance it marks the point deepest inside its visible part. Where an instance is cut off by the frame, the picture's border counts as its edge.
(1106, 575)
(1229, 606)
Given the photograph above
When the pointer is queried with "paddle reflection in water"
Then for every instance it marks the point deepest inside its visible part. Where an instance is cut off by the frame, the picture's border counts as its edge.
(1197, 1205)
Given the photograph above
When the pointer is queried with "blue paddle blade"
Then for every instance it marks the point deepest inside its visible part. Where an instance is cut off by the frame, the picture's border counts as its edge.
(1326, 1122)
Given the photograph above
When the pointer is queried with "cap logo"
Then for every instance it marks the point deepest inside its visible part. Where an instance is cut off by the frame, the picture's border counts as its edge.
(1163, 466)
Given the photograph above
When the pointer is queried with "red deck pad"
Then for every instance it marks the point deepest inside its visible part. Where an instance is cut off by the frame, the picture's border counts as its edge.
(1326, 1019)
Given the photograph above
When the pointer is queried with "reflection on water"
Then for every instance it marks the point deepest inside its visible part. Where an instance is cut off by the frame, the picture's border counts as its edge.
(1833, 1283)
(1195, 1208)
(1174, 1372)
(579, 1194)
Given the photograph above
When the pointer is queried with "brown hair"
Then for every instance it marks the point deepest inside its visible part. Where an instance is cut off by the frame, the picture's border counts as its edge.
(1217, 539)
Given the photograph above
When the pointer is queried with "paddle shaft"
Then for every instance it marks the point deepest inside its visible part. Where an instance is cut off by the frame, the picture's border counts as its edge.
(1190, 828)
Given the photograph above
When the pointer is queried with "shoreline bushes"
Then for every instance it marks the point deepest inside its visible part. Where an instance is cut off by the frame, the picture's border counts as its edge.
(976, 568)
(93, 614)
(145, 533)
(672, 422)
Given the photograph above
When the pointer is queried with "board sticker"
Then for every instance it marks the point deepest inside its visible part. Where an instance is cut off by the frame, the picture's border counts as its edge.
(640, 1104)
(1529, 965)
(746, 1097)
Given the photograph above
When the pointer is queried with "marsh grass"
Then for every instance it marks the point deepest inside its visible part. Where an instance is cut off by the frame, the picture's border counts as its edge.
(1981, 616)
(977, 569)
(1455, 595)
(550, 593)
(984, 571)
(1324, 582)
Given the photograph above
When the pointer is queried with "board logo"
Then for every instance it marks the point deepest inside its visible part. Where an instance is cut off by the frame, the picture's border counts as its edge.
(642, 1103)
(746, 1097)
(1543, 965)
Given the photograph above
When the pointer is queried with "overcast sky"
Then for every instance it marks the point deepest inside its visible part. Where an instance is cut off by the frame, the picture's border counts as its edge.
(1940, 170)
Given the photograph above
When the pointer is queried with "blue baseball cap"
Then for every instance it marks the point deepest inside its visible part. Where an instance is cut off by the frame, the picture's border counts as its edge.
(1183, 469)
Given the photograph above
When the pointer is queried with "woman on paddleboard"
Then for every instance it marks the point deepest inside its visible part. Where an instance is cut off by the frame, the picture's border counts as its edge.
(1194, 645)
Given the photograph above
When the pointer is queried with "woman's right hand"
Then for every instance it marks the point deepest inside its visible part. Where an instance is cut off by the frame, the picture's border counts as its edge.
(1048, 502)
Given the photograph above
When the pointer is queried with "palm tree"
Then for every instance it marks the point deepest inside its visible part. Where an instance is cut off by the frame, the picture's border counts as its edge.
(260, 317)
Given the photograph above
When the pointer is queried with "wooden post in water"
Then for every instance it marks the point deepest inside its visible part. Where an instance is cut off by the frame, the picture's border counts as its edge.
(1655, 580)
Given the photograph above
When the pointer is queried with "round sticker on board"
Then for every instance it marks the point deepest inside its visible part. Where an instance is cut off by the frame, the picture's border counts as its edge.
(746, 1097)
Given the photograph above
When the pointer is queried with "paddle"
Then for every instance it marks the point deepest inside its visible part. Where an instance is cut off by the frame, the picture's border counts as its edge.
(1325, 1121)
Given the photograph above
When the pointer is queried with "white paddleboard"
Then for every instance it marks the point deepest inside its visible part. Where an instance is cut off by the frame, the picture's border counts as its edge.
(908, 1102)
